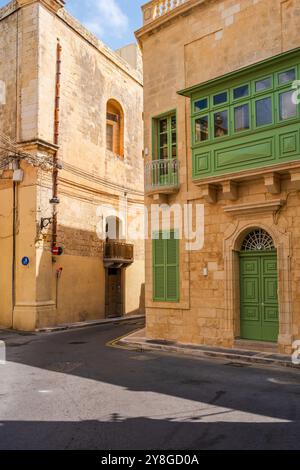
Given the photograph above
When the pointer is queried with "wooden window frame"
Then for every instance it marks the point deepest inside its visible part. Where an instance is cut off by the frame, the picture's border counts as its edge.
(199, 116)
(242, 98)
(274, 110)
(110, 124)
(287, 69)
(267, 90)
(238, 104)
(278, 119)
(156, 135)
(118, 126)
(220, 105)
(162, 235)
(212, 124)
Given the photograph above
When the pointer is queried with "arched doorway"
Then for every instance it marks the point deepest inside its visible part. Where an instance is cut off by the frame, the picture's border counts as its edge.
(259, 310)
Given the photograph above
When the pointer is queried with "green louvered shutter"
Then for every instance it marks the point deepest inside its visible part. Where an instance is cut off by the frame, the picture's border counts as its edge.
(159, 281)
(172, 269)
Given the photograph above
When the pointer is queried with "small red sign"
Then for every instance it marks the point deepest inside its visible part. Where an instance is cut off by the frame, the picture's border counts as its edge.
(57, 251)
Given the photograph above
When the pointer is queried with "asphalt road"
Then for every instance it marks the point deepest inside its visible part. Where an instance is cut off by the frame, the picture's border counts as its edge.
(68, 390)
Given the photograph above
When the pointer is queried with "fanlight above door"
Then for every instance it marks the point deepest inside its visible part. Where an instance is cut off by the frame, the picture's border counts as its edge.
(258, 240)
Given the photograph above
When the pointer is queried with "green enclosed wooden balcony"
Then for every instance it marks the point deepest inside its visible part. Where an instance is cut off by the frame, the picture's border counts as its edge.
(247, 123)
(162, 177)
(158, 8)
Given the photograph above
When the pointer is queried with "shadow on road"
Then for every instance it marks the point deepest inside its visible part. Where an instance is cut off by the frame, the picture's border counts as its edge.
(271, 394)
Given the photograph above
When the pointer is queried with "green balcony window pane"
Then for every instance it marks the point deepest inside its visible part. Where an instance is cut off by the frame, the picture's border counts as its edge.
(241, 92)
(287, 105)
(163, 140)
(201, 129)
(241, 118)
(174, 151)
(200, 105)
(263, 84)
(286, 77)
(220, 98)
(174, 137)
(163, 125)
(173, 123)
(221, 124)
(264, 112)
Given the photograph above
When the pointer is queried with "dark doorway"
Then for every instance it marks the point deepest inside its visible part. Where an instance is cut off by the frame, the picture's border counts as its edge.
(114, 293)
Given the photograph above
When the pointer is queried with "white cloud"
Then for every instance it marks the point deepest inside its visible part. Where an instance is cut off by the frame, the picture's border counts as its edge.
(104, 17)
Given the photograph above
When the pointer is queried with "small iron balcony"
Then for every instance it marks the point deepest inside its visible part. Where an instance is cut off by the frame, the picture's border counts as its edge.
(117, 254)
(162, 177)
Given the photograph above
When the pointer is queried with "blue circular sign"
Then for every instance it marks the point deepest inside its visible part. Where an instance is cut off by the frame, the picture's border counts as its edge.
(25, 261)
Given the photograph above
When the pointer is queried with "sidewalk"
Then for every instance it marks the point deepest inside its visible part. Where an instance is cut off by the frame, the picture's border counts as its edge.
(83, 324)
(71, 326)
(138, 340)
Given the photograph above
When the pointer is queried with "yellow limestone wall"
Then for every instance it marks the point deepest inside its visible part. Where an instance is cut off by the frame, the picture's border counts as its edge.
(91, 75)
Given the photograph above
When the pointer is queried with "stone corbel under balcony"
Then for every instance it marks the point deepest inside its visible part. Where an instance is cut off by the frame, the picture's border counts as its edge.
(230, 190)
(162, 179)
(273, 183)
(210, 193)
(295, 179)
(227, 186)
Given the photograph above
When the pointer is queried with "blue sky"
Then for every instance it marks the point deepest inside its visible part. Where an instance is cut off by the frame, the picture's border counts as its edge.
(113, 21)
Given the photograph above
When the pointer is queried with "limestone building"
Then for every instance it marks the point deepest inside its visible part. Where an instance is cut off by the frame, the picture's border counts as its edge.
(222, 132)
(70, 156)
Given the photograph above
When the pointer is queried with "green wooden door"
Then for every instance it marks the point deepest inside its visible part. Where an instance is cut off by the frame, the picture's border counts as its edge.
(259, 296)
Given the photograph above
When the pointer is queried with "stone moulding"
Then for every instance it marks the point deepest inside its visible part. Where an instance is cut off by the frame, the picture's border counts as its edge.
(255, 208)
(233, 238)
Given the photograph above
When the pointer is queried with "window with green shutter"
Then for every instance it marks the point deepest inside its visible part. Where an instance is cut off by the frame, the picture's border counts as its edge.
(166, 267)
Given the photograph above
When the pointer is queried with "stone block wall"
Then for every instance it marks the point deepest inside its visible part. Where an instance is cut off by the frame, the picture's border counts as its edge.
(211, 39)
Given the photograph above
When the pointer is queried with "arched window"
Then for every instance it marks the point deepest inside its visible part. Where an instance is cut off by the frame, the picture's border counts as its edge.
(258, 240)
(115, 128)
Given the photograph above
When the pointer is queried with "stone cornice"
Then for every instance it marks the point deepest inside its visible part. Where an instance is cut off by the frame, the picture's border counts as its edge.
(38, 145)
(255, 208)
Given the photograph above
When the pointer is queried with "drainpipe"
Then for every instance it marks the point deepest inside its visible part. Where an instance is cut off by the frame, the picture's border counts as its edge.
(14, 252)
(56, 139)
(15, 186)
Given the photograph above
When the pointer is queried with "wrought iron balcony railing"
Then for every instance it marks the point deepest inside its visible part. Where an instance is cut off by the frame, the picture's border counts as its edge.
(118, 252)
(157, 8)
(162, 176)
